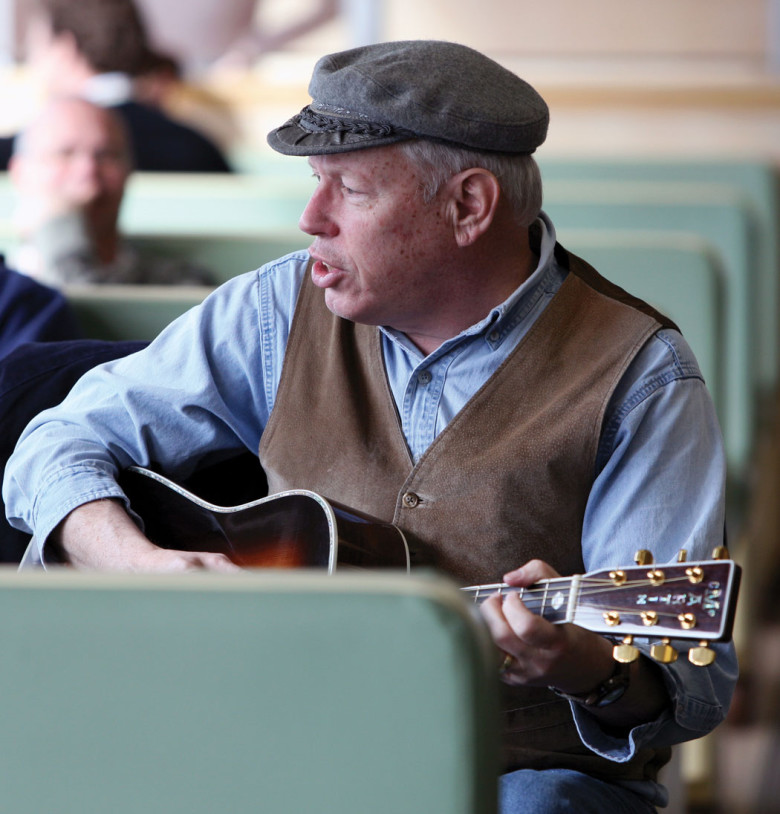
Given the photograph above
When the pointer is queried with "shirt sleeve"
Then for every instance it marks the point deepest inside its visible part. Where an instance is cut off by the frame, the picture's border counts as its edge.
(201, 391)
(660, 485)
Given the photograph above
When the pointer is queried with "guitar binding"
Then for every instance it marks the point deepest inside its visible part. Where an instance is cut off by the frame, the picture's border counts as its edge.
(290, 529)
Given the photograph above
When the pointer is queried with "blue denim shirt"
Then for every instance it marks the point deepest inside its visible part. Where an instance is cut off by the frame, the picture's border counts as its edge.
(209, 383)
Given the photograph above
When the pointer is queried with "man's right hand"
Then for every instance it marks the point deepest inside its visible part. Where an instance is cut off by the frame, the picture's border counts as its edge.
(102, 536)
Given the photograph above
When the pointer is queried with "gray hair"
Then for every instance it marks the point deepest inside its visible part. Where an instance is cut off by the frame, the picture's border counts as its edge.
(518, 175)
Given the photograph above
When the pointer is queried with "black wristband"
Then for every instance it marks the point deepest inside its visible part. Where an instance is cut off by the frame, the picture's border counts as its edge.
(606, 693)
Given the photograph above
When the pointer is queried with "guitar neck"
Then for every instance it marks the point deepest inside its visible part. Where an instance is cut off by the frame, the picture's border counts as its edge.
(554, 599)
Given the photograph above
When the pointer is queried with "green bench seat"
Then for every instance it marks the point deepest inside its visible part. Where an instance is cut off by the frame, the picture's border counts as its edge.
(279, 692)
(718, 216)
(131, 311)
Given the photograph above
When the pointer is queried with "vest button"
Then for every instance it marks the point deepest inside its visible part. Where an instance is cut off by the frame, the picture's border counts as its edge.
(410, 500)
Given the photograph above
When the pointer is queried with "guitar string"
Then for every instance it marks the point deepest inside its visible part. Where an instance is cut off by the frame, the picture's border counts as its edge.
(588, 587)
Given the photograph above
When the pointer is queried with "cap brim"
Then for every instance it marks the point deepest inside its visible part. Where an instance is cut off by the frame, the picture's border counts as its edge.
(292, 139)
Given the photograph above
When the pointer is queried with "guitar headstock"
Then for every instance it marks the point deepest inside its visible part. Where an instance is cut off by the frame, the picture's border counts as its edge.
(693, 601)
(685, 601)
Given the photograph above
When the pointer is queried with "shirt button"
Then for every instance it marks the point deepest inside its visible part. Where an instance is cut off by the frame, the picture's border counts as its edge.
(410, 500)
(493, 336)
(424, 377)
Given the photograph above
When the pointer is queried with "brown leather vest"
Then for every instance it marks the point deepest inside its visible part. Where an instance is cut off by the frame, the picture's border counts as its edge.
(507, 480)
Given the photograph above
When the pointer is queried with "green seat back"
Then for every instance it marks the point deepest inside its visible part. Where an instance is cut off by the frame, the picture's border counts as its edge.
(719, 217)
(224, 256)
(678, 274)
(131, 311)
(259, 692)
(162, 203)
(756, 182)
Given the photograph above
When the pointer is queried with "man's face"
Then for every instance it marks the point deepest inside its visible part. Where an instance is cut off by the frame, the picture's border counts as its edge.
(380, 250)
(75, 156)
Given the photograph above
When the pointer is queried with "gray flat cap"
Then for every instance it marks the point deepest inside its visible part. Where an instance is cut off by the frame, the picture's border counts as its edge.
(393, 91)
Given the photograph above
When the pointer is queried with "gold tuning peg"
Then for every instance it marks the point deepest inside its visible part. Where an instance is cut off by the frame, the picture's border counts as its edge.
(664, 652)
(682, 555)
(643, 557)
(701, 656)
(720, 553)
(625, 652)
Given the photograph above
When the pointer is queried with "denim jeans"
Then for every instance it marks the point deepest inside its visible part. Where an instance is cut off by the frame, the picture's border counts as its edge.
(551, 791)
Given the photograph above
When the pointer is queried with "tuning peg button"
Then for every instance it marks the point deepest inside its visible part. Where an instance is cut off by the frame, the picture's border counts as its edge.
(663, 652)
(625, 652)
(643, 557)
(701, 656)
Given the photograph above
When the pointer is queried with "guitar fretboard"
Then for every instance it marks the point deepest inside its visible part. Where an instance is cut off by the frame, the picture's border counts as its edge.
(555, 599)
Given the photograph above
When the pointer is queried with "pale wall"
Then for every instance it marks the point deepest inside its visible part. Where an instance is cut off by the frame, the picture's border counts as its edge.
(722, 28)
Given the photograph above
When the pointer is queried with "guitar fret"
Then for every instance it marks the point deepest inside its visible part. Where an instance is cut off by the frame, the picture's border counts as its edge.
(574, 589)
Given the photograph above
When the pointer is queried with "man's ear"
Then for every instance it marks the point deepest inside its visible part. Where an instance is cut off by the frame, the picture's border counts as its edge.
(474, 198)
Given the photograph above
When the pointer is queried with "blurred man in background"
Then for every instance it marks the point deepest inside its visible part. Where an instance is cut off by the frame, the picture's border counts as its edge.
(70, 168)
(96, 49)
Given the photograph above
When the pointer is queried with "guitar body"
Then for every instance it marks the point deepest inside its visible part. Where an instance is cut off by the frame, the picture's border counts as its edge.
(294, 529)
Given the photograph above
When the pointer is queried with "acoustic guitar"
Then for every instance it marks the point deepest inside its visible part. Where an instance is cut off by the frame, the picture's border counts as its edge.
(685, 601)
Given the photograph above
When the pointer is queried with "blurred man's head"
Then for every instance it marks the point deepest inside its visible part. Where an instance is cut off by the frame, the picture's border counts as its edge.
(74, 156)
(67, 41)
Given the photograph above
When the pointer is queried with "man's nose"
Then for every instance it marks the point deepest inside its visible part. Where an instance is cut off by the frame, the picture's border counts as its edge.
(86, 162)
(315, 218)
